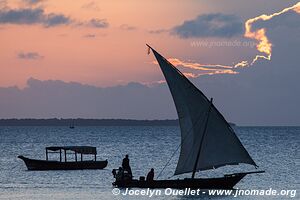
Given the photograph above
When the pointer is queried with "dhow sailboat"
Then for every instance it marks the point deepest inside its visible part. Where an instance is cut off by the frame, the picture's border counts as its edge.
(207, 140)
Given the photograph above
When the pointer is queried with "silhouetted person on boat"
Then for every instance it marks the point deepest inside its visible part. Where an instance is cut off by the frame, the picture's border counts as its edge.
(126, 166)
(150, 175)
(114, 173)
(120, 174)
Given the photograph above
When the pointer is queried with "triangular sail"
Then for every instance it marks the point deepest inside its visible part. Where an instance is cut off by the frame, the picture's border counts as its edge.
(220, 145)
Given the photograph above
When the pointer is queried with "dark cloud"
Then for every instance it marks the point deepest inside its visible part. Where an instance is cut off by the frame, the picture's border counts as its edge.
(127, 27)
(32, 16)
(286, 20)
(29, 56)
(21, 16)
(98, 23)
(210, 25)
(56, 19)
(57, 98)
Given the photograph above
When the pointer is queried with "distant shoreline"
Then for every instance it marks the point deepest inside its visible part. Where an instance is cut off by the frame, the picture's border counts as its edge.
(88, 122)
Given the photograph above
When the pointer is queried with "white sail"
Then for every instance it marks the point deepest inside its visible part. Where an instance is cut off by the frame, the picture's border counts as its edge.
(220, 146)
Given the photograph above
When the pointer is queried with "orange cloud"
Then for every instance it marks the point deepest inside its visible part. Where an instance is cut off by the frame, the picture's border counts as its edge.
(206, 69)
(297, 8)
(243, 63)
(198, 66)
(264, 45)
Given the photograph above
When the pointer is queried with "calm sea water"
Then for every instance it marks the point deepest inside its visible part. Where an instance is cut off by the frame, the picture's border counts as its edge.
(275, 149)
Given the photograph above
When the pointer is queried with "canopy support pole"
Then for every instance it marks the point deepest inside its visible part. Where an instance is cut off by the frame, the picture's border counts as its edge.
(201, 141)
(60, 155)
(65, 155)
(47, 154)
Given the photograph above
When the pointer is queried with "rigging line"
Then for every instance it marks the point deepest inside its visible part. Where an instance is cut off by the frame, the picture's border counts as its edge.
(168, 161)
(189, 133)
(177, 149)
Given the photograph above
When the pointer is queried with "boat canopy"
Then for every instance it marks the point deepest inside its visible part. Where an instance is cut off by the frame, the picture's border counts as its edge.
(77, 149)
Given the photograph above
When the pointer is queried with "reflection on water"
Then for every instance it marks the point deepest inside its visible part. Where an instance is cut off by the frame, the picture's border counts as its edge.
(275, 149)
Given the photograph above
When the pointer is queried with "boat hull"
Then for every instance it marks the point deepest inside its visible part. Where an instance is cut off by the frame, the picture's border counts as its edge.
(33, 164)
(226, 182)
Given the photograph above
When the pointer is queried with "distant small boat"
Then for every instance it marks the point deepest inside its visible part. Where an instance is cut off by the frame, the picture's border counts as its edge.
(72, 125)
(63, 164)
(207, 140)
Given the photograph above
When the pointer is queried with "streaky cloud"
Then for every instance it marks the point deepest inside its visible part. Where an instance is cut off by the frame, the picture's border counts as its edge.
(158, 31)
(29, 56)
(91, 6)
(201, 69)
(32, 2)
(89, 36)
(127, 27)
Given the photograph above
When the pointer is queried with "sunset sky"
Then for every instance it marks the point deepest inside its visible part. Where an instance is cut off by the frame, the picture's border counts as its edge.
(112, 50)
(102, 43)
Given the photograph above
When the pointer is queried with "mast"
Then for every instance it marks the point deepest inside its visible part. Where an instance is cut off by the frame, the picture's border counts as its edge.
(202, 138)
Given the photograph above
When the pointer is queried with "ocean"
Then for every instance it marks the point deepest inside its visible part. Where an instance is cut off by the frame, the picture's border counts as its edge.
(274, 149)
